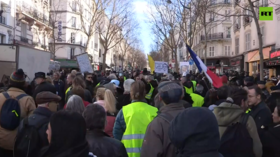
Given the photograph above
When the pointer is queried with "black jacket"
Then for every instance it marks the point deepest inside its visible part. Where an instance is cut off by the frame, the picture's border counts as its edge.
(272, 99)
(90, 86)
(39, 114)
(262, 116)
(59, 85)
(196, 137)
(88, 96)
(44, 86)
(271, 142)
(102, 145)
(123, 100)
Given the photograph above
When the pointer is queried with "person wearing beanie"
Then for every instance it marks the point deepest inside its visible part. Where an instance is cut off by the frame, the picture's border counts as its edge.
(249, 81)
(125, 99)
(27, 106)
(42, 85)
(47, 104)
(156, 140)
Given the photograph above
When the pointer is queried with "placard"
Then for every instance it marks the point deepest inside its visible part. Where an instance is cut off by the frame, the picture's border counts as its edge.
(161, 67)
(84, 63)
(184, 68)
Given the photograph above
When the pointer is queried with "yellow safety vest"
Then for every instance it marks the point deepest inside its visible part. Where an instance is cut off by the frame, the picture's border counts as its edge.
(198, 100)
(248, 111)
(68, 89)
(194, 85)
(124, 78)
(97, 84)
(189, 90)
(137, 117)
(149, 95)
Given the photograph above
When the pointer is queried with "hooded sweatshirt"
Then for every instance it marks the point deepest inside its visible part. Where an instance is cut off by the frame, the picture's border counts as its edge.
(228, 113)
(195, 133)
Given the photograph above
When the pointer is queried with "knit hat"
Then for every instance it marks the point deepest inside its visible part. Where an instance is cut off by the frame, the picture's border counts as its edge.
(170, 92)
(17, 77)
(40, 75)
(261, 82)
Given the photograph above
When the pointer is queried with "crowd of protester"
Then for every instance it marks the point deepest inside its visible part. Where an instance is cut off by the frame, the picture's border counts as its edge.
(139, 114)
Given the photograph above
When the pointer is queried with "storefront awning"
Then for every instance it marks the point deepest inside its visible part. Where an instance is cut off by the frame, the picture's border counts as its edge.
(255, 56)
(67, 63)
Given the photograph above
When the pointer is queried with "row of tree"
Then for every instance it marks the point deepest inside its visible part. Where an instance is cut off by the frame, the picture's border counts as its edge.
(111, 21)
(175, 22)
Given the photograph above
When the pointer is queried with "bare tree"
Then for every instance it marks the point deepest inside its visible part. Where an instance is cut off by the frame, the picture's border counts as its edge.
(115, 25)
(166, 26)
(89, 16)
(249, 9)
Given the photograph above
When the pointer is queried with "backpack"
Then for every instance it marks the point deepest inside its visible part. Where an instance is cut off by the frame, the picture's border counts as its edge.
(10, 114)
(27, 143)
(236, 141)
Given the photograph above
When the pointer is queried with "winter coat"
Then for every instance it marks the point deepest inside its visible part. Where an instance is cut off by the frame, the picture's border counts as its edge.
(42, 87)
(271, 142)
(227, 114)
(262, 116)
(156, 141)
(194, 132)
(111, 118)
(40, 114)
(272, 99)
(102, 145)
(123, 100)
(90, 86)
(27, 106)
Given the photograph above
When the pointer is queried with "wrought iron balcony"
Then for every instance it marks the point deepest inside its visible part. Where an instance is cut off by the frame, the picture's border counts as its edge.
(2, 20)
(34, 13)
(24, 39)
(214, 36)
(236, 27)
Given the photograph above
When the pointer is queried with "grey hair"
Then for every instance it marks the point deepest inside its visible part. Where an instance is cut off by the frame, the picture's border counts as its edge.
(170, 77)
(112, 77)
(75, 103)
(127, 84)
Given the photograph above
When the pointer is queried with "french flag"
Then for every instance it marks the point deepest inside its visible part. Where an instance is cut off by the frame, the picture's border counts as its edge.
(213, 78)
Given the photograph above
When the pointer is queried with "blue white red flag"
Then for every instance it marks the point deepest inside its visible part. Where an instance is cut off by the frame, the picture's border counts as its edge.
(213, 78)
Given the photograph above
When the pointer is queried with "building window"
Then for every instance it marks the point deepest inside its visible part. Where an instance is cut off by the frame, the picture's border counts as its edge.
(263, 35)
(237, 46)
(73, 38)
(227, 14)
(227, 50)
(74, 6)
(211, 51)
(99, 52)
(72, 53)
(248, 41)
(228, 32)
(264, 3)
(74, 22)
(23, 30)
(2, 39)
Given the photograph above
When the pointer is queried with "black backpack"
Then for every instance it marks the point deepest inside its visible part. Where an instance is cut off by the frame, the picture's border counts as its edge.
(10, 115)
(236, 141)
(28, 143)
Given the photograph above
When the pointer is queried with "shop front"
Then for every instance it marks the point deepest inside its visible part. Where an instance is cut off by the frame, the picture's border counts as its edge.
(274, 63)
(237, 63)
(254, 60)
(217, 65)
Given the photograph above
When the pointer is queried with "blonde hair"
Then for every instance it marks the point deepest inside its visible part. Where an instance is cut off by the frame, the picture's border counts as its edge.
(268, 85)
(109, 99)
(49, 80)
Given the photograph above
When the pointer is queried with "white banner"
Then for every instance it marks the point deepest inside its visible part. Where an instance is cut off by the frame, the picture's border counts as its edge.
(84, 63)
(184, 68)
(161, 67)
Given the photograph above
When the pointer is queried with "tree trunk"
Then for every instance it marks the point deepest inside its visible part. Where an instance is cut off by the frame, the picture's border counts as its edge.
(176, 61)
(104, 60)
(259, 37)
(88, 44)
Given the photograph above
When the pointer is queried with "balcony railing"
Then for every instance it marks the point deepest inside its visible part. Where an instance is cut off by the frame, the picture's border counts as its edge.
(214, 36)
(33, 12)
(220, 2)
(2, 20)
(236, 27)
(24, 39)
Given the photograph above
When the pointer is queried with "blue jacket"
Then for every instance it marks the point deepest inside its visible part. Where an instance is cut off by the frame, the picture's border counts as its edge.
(120, 126)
